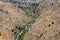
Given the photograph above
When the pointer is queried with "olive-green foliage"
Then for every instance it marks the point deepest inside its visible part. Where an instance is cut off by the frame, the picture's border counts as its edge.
(28, 24)
(35, 4)
(28, 14)
(21, 36)
(23, 28)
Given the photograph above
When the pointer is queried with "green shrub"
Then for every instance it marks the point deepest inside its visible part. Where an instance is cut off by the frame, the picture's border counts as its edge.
(35, 4)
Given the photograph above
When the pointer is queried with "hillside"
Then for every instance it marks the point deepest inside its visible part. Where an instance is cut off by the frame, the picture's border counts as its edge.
(29, 19)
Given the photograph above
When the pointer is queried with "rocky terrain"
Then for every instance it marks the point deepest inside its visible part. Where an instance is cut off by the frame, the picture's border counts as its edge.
(29, 19)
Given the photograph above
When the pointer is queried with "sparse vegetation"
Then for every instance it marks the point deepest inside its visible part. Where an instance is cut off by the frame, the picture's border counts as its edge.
(24, 29)
(28, 14)
(22, 35)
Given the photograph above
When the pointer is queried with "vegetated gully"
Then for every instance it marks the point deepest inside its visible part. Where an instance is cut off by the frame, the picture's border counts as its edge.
(23, 30)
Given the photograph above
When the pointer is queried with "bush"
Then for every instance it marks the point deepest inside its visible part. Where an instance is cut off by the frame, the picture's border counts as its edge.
(0, 33)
